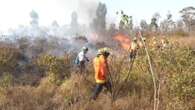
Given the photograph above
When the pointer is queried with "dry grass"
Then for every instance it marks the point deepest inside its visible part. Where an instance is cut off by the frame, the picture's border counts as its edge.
(173, 66)
(185, 41)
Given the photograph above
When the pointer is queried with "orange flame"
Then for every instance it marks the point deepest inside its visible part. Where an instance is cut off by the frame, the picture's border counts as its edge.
(124, 41)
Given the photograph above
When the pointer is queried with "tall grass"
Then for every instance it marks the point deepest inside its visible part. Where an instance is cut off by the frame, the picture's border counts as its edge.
(62, 88)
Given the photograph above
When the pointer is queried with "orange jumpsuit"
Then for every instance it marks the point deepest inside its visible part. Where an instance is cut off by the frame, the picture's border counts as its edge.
(101, 69)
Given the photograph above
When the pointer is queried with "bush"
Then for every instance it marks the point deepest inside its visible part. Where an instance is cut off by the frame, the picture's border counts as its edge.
(181, 33)
(56, 68)
(9, 58)
(6, 80)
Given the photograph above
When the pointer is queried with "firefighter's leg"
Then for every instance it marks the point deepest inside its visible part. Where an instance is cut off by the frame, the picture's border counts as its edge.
(108, 86)
(134, 54)
(77, 69)
(130, 56)
(81, 66)
(97, 91)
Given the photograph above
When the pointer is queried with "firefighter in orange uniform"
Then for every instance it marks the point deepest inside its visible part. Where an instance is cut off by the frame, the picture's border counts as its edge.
(101, 72)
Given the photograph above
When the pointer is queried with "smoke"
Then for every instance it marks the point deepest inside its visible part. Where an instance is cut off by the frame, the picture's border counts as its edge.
(87, 10)
(61, 33)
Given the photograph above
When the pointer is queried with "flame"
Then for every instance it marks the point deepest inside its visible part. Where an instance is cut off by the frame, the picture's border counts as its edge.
(124, 41)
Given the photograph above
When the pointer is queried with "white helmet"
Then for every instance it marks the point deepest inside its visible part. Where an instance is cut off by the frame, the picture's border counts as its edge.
(85, 49)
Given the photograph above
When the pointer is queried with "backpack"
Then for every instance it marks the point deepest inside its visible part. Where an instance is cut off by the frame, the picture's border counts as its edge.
(76, 61)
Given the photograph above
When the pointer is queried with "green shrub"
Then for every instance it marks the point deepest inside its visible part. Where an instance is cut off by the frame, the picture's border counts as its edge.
(9, 58)
(182, 85)
(6, 80)
(56, 68)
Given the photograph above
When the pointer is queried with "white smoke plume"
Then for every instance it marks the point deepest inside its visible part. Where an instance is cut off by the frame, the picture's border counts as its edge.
(87, 10)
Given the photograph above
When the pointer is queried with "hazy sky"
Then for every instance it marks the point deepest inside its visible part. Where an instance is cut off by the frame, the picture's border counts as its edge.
(16, 12)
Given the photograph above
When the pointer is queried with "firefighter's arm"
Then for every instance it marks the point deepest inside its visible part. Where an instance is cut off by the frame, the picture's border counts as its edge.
(87, 59)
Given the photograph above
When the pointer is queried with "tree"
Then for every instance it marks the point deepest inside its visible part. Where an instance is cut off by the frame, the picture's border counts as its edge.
(74, 23)
(74, 20)
(126, 23)
(112, 29)
(154, 22)
(35, 18)
(99, 22)
(180, 25)
(167, 25)
(144, 25)
(55, 24)
(188, 16)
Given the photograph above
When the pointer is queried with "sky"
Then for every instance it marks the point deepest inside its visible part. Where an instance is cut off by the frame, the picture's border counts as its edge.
(16, 12)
